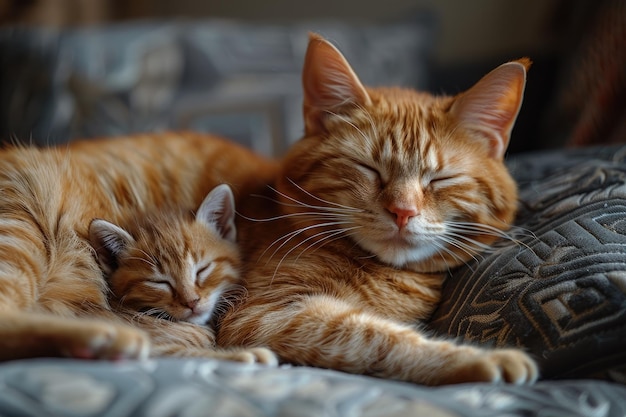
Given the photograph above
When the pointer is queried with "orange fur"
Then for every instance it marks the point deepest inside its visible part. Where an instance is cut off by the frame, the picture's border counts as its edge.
(53, 299)
(170, 263)
(176, 266)
(387, 191)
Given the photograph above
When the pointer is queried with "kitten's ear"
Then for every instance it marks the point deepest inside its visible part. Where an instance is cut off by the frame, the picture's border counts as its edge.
(329, 83)
(491, 106)
(109, 241)
(217, 211)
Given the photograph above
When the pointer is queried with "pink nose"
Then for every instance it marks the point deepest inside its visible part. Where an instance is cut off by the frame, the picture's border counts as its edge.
(403, 214)
(192, 303)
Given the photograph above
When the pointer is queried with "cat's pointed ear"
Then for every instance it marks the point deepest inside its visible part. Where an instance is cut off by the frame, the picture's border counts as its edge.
(491, 106)
(217, 211)
(109, 241)
(329, 83)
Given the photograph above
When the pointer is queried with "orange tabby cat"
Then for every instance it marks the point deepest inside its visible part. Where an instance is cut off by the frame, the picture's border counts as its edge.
(388, 190)
(53, 297)
(174, 266)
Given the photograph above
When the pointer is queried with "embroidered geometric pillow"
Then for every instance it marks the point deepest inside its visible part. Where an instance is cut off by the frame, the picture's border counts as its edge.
(559, 289)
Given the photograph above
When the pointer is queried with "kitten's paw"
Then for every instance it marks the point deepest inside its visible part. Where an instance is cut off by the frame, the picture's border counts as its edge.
(500, 365)
(107, 341)
(253, 355)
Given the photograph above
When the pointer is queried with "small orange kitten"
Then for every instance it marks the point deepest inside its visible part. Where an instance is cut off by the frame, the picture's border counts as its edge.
(171, 264)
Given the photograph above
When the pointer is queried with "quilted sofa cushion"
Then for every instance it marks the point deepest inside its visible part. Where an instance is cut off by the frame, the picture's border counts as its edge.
(558, 288)
(199, 388)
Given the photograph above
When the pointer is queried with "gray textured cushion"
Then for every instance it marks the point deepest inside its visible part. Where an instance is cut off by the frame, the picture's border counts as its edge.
(559, 291)
(170, 387)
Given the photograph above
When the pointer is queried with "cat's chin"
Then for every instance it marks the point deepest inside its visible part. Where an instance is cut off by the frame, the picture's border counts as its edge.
(400, 254)
(200, 317)
(199, 320)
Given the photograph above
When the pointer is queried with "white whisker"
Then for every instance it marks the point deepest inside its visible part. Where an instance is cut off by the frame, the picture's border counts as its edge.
(152, 264)
(298, 245)
(289, 215)
(282, 203)
(440, 248)
(339, 207)
(321, 200)
(325, 240)
(461, 246)
(369, 118)
(367, 257)
(471, 243)
(347, 121)
(478, 228)
(454, 255)
(294, 233)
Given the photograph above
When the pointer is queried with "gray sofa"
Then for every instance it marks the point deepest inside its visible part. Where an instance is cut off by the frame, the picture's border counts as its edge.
(558, 290)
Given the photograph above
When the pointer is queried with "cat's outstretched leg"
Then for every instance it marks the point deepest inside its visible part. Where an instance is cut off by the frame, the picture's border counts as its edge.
(32, 335)
(188, 340)
(250, 355)
(246, 355)
(330, 333)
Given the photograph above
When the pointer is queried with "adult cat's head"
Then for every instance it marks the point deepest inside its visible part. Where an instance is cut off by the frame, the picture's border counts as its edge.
(416, 180)
(171, 264)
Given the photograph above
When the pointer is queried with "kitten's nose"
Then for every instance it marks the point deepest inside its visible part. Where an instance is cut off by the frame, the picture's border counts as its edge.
(403, 214)
(192, 303)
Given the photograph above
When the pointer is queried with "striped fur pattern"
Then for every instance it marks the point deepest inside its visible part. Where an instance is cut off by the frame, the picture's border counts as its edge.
(172, 264)
(53, 297)
(388, 190)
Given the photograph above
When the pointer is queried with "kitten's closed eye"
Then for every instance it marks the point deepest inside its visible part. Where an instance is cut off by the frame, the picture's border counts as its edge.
(204, 272)
(160, 285)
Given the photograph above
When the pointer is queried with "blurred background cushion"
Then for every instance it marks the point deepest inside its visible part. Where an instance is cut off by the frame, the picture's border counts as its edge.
(241, 80)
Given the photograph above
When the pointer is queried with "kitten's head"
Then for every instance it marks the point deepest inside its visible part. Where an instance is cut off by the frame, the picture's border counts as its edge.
(172, 265)
(416, 180)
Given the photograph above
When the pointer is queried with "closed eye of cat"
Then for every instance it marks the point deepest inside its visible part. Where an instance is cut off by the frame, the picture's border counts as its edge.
(161, 285)
(370, 172)
(205, 271)
(441, 179)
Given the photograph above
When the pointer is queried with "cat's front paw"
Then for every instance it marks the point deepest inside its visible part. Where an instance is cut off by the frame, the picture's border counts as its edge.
(253, 355)
(501, 365)
(512, 366)
(100, 340)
